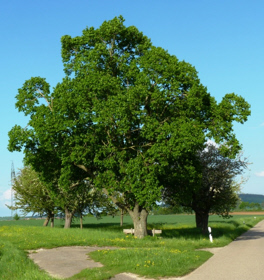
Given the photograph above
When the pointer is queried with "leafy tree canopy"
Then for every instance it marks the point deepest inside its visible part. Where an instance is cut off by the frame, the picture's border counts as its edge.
(206, 184)
(123, 112)
(31, 195)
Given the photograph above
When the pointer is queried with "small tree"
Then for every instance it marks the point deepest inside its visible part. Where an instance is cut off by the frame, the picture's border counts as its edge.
(16, 217)
(31, 195)
(244, 205)
(91, 200)
(207, 184)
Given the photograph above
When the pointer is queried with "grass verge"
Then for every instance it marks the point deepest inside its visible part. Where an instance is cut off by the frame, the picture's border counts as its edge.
(14, 264)
(171, 254)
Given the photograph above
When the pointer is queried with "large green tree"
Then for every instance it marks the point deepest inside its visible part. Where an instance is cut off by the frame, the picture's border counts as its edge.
(132, 97)
(125, 110)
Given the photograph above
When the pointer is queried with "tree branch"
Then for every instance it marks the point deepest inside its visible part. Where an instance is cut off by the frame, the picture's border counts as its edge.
(39, 91)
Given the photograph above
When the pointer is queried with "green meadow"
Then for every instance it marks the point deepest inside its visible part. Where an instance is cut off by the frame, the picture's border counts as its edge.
(172, 253)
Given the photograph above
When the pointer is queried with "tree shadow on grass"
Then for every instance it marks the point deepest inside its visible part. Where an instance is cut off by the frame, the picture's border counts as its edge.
(228, 232)
(105, 226)
(234, 223)
(228, 229)
(115, 225)
(157, 225)
(187, 233)
(223, 230)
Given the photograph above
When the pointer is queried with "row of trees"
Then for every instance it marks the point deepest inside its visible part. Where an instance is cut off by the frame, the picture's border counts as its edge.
(31, 195)
(133, 121)
(244, 205)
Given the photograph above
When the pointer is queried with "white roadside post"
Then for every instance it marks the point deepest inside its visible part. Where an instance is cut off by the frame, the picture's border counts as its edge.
(210, 235)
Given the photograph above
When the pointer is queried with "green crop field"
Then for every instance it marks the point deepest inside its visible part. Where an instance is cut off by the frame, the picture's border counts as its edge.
(162, 255)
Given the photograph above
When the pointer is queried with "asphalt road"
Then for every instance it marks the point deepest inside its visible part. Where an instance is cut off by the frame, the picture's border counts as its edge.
(242, 259)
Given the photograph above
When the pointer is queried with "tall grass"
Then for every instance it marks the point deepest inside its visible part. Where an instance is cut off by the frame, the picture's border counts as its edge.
(14, 264)
(157, 256)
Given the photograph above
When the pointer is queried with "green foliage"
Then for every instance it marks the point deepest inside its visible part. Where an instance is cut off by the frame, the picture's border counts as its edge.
(207, 185)
(32, 195)
(124, 113)
(143, 107)
(168, 209)
(16, 217)
(250, 206)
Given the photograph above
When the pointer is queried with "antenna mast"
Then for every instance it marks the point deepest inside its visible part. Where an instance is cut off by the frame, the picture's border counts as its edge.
(13, 175)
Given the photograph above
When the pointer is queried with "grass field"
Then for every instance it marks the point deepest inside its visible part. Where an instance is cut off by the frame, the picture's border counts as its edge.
(173, 253)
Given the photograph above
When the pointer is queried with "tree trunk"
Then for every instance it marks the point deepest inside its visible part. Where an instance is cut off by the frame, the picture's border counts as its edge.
(46, 222)
(81, 221)
(121, 217)
(201, 218)
(139, 216)
(52, 220)
(68, 218)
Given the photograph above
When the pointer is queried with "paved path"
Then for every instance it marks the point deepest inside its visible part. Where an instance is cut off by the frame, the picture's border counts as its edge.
(64, 262)
(242, 259)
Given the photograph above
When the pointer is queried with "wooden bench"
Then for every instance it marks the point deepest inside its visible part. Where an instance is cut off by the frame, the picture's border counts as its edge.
(150, 231)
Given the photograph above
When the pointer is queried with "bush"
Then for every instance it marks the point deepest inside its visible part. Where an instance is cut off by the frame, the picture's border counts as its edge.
(16, 217)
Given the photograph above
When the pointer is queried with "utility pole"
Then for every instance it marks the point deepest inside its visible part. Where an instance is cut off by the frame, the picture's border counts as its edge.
(13, 175)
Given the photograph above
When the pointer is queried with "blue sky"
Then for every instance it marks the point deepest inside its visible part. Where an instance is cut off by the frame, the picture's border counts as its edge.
(223, 39)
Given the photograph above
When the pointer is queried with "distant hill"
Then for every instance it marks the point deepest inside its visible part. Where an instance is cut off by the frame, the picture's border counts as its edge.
(257, 198)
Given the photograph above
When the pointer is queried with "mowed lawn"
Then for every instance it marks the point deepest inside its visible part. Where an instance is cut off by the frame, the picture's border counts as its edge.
(173, 253)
